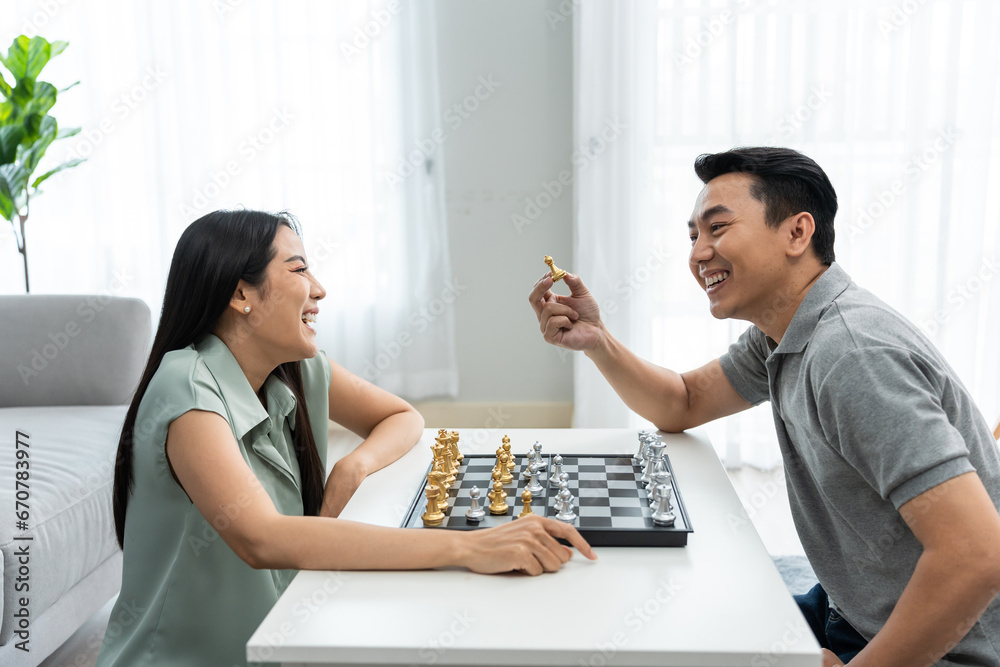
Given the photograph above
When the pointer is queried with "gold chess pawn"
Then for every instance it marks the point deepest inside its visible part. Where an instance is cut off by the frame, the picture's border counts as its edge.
(526, 501)
(511, 461)
(557, 273)
(505, 476)
(498, 499)
(495, 473)
(433, 516)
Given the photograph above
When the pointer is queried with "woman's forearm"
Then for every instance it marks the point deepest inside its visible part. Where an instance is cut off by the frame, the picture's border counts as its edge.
(319, 543)
(393, 437)
(390, 439)
(322, 543)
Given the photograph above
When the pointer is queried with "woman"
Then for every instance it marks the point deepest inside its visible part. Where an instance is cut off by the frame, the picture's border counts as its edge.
(219, 494)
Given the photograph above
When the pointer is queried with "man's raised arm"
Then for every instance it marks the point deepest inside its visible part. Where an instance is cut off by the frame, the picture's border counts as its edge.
(672, 401)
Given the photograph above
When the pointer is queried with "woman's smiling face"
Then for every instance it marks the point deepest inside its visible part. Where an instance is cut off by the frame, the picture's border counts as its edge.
(287, 304)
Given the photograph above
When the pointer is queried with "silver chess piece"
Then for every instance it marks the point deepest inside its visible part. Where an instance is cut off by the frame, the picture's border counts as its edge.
(663, 512)
(533, 484)
(538, 455)
(651, 442)
(529, 459)
(476, 512)
(564, 503)
(638, 458)
(556, 471)
(658, 478)
(657, 463)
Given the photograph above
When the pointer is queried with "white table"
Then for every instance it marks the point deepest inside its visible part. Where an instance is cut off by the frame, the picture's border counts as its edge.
(718, 601)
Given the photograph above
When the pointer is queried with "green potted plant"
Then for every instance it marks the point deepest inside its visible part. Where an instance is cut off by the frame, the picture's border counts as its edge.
(27, 130)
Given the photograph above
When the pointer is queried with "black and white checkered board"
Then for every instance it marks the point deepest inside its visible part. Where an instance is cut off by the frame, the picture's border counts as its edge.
(611, 504)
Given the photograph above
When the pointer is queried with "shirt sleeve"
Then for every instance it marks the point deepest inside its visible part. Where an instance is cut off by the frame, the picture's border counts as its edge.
(744, 366)
(880, 408)
(182, 383)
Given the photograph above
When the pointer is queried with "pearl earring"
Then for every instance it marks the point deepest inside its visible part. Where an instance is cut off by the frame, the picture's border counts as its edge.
(246, 309)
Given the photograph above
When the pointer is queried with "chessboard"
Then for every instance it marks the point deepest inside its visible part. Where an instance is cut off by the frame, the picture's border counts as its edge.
(612, 506)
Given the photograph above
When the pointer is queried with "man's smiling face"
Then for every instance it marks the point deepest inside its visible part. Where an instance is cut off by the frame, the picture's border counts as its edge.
(737, 259)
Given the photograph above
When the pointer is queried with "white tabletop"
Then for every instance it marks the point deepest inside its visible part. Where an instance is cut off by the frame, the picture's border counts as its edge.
(717, 601)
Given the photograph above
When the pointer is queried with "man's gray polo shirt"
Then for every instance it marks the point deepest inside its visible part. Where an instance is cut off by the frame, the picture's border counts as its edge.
(869, 416)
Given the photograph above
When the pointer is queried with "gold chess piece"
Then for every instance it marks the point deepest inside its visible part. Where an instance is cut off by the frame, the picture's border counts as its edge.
(505, 476)
(557, 273)
(448, 465)
(437, 462)
(498, 499)
(447, 451)
(511, 461)
(526, 500)
(456, 452)
(439, 480)
(433, 516)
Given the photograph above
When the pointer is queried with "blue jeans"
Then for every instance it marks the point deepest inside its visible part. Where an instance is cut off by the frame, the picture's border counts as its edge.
(831, 630)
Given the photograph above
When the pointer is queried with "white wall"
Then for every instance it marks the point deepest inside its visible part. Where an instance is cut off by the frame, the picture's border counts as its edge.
(517, 138)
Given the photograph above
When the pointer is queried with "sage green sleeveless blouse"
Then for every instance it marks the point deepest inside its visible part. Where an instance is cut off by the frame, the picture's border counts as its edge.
(187, 599)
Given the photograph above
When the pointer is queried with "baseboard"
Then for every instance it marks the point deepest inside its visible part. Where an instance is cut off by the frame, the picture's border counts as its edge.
(451, 415)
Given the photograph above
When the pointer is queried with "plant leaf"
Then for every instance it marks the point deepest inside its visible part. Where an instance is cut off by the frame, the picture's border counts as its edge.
(6, 200)
(36, 110)
(23, 92)
(10, 138)
(17, 57)
(39, 53)
(15, 179)
(63, 90)
(43, 99)
(5, 87)
(57, 47)
(7, 110)
(47, 132)
(56, 170)
(67, 132)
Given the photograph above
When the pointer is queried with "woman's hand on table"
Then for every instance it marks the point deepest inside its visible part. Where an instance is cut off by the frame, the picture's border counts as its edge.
(528, 545)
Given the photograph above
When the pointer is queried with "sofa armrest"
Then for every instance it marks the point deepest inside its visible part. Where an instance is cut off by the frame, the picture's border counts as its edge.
(71, 349)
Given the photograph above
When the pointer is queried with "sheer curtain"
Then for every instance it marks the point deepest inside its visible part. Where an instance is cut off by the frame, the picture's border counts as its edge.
(325, 109)
(900, 107)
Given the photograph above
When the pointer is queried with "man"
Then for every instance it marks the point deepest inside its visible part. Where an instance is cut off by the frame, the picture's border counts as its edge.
(892, 472)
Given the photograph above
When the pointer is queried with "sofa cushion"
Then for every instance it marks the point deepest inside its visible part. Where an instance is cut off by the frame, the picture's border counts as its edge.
(70, 465)
(71, 349)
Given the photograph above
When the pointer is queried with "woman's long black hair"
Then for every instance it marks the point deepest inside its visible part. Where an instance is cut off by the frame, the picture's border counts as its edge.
(213, 254)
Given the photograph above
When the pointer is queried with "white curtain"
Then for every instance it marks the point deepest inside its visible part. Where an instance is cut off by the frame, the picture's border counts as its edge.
(326, 109)
(898, 102)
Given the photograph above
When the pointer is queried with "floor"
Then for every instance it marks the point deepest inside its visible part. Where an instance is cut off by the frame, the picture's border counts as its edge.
(762, 492)
(765, 499)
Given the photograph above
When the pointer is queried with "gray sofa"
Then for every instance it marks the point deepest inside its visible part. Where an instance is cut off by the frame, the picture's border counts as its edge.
(68, 367)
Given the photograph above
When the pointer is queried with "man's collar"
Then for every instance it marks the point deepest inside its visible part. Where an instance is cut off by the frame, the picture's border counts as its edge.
(800, 330)
(245, 408)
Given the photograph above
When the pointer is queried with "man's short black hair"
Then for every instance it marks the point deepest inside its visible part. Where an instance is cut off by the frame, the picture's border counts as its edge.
(786, 182)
